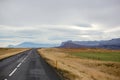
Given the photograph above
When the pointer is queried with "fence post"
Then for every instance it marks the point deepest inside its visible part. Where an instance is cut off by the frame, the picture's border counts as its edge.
(56, 64)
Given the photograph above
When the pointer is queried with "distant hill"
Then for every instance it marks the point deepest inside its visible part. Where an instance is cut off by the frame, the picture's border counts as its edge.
(70, 44)
(32, 45)
(110, 44)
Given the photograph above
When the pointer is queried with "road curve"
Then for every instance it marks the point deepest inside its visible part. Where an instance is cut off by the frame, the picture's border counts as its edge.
(28, 65)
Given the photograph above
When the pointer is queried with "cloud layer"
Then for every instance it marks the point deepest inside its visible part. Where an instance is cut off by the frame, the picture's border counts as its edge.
(54, 33)
(53, 21)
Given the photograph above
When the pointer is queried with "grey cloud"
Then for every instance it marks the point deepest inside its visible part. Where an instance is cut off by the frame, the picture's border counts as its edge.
(18, 20)
(4, 40)
(83, 25)
(4, 36)
(35, 12)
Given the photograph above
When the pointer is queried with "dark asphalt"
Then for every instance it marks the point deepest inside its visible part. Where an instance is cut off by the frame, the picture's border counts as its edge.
(28, 65)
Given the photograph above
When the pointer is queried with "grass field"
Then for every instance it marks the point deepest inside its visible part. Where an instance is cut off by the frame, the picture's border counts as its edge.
(84, 64)
(7, 52)
(105, 56)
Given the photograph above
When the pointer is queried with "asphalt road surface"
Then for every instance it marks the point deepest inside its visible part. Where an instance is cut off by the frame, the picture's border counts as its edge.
(28, 65)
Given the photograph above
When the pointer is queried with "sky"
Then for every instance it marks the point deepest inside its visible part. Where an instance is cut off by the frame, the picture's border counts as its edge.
(54, 21)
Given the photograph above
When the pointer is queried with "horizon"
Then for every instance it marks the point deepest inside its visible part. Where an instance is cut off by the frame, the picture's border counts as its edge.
(53, 45)
(53, 21)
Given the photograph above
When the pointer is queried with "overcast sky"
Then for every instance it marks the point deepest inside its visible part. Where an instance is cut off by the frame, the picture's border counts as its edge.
(54, 21)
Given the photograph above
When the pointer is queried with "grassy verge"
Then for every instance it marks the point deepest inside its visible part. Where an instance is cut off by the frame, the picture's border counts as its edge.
(7, 52)
(80, 67)
(104, 56)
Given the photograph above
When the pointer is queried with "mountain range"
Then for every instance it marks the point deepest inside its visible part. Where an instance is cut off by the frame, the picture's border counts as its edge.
(31, 45)
(109, 44)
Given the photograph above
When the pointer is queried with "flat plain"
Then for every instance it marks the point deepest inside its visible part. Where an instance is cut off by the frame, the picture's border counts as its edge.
(7, 52)
(96, 54)
(84, 63)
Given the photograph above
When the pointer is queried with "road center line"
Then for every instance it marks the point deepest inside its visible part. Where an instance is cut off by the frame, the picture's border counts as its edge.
(24, 59)
(12, 72)
(19, 65)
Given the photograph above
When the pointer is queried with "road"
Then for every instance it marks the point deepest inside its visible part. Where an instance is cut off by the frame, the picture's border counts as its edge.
(28, 65)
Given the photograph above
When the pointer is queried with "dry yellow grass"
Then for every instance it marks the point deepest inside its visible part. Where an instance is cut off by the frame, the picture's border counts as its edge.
(87, 50)
(6, 52)
(74, 68)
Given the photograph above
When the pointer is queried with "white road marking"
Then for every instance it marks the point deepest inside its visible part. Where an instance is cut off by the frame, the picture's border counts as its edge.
(26, 56)
(19, 65)
(24, 59)
(12, 72)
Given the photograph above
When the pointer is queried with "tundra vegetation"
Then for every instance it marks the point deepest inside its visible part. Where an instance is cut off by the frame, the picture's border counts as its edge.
(84, 63)
(7, 52)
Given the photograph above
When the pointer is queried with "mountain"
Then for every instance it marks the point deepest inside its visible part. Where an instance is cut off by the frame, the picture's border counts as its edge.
(32, 45)
(70, 44)
(109, 44)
